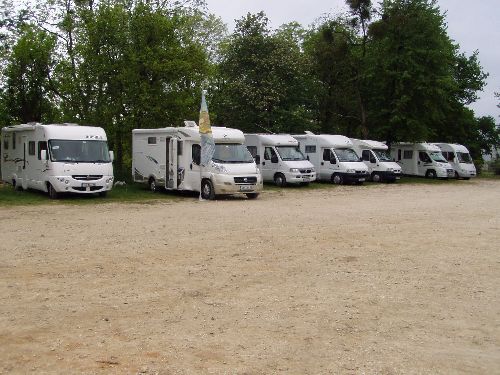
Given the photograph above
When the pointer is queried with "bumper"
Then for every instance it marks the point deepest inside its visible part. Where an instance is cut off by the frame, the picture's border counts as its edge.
(466, 174)
(445, 173)
(389, 175)
(354, 177)
(298, 177)
(227, 184)
(67, 184)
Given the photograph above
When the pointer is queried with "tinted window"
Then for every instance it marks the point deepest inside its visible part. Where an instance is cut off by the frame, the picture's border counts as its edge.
(311, 149)
(327, 154)
(196, 153)
(408, 154)
(366, 155)
(31, 147)
(42, 145)
(151, 140)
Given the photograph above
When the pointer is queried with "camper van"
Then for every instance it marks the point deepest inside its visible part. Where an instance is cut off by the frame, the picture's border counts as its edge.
(333, 157)
(170, 158)
(58, 158)
(279, 159)
(421, 159)
(376, 156)
(459, 158)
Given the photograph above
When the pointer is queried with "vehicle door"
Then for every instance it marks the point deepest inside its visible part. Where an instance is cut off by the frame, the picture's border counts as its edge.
(192, 179)
(369, 160)
(172, 174)
(270, 164)
(424, 162)
(328, 164)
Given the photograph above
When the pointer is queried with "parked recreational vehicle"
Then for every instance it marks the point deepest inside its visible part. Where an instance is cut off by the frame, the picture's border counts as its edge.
(421, 159)
(170, 158)
(459, 158)
(279, 159)
(333, 157)
(59, 158)
(375, 155)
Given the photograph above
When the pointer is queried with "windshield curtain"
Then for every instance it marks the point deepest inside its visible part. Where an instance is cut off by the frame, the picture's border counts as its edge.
(290, 153)
(382, 155)
(346, 154)
(231, 153)
(464, 157)
(79, 151)
(437, 156)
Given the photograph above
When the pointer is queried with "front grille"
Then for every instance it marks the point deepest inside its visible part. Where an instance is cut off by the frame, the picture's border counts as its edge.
(305, 170)
(87, 177)
(91, 188)
(360, 172)
(245, 180)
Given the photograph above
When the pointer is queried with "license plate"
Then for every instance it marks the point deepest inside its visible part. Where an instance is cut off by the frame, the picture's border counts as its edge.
(87, 184)
(361, 180)
(398, 178)
(247, 187)
(306, 179)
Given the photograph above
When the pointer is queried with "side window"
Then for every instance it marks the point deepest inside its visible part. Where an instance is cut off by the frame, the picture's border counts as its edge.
(268, 153)
(408, 154)
(151, 140)
(399, 154)
(5, 144)
(326, 154)
(13, 141)
(196, 153)
(252, 150)
(424, 157)
(366, 155)
(179, 147)
(42, 145)
(450, 156)
(310, 149)
(31, 147)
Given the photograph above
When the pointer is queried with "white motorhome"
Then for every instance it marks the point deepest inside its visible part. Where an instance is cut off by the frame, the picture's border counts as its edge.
(421, 159)
(57, 158)
(279, 159)
(376, 156)
(459, 158)
(333, 157)
(170, 158)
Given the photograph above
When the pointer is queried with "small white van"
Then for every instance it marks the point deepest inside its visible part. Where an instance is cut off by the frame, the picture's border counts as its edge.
(421, 159)
(333, 157)
(376, 156)
(170, 158)
(57, 158)
(459, 158)
(279, 159)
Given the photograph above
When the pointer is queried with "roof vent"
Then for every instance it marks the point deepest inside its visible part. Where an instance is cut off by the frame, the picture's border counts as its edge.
(190, 124)
(309, 133)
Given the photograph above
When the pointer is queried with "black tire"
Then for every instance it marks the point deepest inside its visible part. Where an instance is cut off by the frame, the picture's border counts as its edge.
(103, 194)
(52, 192)
(152, 185)
(252, 195)
(337, 179)
(431, 174)
(207, 190)
(376, 177)
(279, 179)
(466, 178)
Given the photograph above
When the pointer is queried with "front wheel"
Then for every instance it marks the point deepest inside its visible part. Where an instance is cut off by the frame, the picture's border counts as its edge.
(376, 177)
(279, 179)
(431, 174)
(152, 185)
(52, 192)
(207, 190)
(252, 195)
(337, 179)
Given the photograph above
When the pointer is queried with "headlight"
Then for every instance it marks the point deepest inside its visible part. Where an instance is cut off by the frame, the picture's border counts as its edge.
(312, 170)
(390, 169)
(219, 168)
(294, 170)
(351, 171)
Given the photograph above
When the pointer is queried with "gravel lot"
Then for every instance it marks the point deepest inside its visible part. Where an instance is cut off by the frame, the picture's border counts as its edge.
(382, 279)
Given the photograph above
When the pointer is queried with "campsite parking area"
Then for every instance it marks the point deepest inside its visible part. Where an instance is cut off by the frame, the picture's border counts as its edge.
(382, 279)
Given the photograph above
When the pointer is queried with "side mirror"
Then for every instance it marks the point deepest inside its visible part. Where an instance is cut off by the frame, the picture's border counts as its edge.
(274, 159)
(43, 154)
(257, 159)
(111, 156)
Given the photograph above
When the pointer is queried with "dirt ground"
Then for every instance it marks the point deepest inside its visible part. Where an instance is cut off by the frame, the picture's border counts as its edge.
(386, 279)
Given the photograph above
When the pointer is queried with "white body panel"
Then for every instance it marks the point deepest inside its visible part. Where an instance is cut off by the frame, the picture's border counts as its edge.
(268, 151)
(24, 166)
(325, 153)
(373, 155)
(169, 156)
(459, 158)
(418, 159)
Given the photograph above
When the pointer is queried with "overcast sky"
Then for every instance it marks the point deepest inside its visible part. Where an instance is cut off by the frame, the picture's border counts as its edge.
(472, 24)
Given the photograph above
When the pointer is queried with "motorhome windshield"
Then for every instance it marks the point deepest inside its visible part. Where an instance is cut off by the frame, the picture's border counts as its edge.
(464, 157)
(382, 155)
(79, 151)
(437, 156)
(290, 153)
(231, 153)
(346, 154)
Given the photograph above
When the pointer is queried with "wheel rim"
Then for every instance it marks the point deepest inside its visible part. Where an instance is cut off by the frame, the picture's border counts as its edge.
(206, 189)
(337, 179)
(152, 185)
(279, 180)
(376, 177)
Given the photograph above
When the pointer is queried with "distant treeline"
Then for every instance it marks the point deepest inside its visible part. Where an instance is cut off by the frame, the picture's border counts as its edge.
(388, 72)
